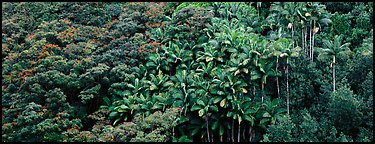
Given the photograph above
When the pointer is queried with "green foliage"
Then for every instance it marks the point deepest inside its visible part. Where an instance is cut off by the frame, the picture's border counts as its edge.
(182, 139)
(155, 127)
(308, 128)
(360, 66)
(89, 93)
(339, 7)
(281, 131)
(341, 24)
(192, 4)
(365, 135)
(343, 104)
(304, 128)
(184, 72)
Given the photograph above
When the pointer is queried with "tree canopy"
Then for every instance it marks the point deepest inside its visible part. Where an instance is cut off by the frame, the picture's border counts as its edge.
(187, 72)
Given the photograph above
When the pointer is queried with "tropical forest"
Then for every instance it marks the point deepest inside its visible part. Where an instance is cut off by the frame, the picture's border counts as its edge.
(187, 72)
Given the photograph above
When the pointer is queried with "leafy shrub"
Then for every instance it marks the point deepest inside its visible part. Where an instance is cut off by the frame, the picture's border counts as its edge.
(281, 131)
(156, 127)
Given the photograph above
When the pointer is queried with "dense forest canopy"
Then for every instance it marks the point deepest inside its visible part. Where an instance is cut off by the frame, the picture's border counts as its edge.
(187, 71)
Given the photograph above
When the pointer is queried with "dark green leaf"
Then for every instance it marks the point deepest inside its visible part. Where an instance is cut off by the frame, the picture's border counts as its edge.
(200, 102)
(195, 131)
(221, 131)
(214, 108)
(217, 99)
(113, 114)
(196, 107)
(107, 101)
(215, 125)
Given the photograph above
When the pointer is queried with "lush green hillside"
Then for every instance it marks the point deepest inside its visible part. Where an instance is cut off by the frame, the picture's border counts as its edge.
(187, 72)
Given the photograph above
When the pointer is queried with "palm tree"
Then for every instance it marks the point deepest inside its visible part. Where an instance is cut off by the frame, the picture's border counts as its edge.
(332, 49)
(319, 16)
(260, 53)
(286, 50)
(312, 16)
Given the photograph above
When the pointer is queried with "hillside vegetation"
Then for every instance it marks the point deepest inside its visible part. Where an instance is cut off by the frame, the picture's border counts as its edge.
(187, 72)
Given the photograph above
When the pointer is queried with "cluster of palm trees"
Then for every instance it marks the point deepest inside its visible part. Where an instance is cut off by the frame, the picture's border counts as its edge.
(309, 17)
(212, 80)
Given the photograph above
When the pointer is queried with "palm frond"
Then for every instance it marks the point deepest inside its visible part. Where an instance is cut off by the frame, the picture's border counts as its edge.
(324, 50)
(327, 43)
(345, 46)
(323, 56)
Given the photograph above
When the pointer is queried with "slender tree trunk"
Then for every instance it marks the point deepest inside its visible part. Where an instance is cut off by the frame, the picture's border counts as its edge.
(232, 130)
(310, 41)
(293, 34)
(244, 132)
(262, 91)
(333, 73)
(306, 46)
(228, 134)
(221, 138)
(303, 45)
(239, 132)
(312, 45)
(208, 130)
(249, 133)
(277, 78)
(312, 48)
(254, 92)
(287, 85)
(259, 4)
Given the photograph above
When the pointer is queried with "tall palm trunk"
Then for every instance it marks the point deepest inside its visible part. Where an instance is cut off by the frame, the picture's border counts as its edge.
(250, 133)
(228, 133)
(259, 4)
(254, 91)
(244, 132)
(303, 45)
(293, 34)
(239, 131)
(232, 130)
(312, 45)
(208, 130)
(277, 78)
(312, 48)
(287, 85)
(333, 73)
(310, 41)
(262, 91)
(305, 40)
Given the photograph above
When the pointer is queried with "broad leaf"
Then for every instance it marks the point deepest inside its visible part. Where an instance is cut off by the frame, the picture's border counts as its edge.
(223, 102)
(107, 101)
(215, 125)
(214, 108)
(195, 131)
(221, 131)
(196, 107)
(200, 102)
(266, 115)
(113, 114)
(201, 112)
(217, 99)
(249, 119)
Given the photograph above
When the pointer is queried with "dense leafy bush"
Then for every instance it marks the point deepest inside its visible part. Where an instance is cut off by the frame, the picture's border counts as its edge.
(155, 127)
